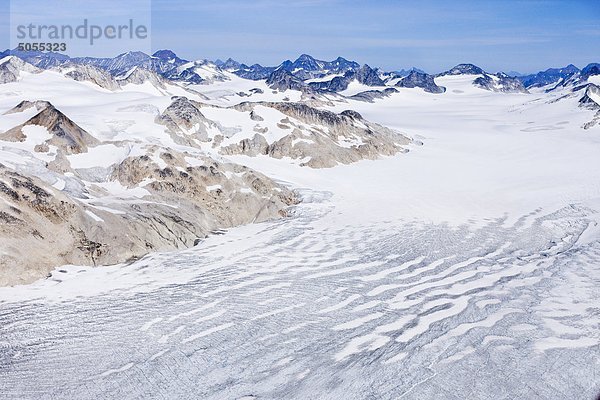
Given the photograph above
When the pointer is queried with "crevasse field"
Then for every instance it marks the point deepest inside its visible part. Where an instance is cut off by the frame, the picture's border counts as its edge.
(466, 268)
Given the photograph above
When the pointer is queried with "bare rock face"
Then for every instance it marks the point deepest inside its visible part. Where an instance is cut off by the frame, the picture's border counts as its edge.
(66, 134)
(138, 76)
(421, 80)
(41, 227)
(320, 138)
(37, 229)
(89, 73)
(500, 83)
(370, 96)
(591, 97)
(185, 122)
(224, 194)
(591, 100)
(282, 80)
(251, 147)
(26, 105)
(11, 68)
(166, 199)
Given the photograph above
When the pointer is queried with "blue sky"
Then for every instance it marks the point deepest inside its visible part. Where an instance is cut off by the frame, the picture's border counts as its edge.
(433, 35)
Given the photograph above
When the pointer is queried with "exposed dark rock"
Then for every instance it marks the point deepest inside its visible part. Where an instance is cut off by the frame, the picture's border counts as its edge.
(504, 83)
(282, 79)
(184, 119)
(464, 69)
(549, 76)
(370, 95)
(591, 92)
(422, 80)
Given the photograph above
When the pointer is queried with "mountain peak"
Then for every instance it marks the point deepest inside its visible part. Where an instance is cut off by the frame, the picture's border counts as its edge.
(136, 56)
(66, 134)
(165, 55)
(464, 69)
(307, 63)
(571, 67)
(230, 64)
(591, 68)
(305, 57)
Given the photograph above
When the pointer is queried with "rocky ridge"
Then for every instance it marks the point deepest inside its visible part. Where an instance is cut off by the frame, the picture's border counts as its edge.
(154, 199)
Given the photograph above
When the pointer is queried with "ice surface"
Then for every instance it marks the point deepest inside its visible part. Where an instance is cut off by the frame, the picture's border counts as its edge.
(467, 268)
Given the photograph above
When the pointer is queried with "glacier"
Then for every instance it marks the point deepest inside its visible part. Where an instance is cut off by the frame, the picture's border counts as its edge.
(465, 268)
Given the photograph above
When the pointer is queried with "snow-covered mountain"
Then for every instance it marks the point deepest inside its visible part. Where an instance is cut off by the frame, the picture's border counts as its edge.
(549, 76)
(306, 73)
(13, 68)
(116, 149)
(499, 82)
(422, 80)
(149, 121)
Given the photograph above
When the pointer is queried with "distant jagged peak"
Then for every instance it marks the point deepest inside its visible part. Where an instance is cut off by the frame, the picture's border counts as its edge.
(549, 76)
(405, 72)
(133, 55)
(590, 70)
(254, 72)
(305, 57)
(342, 60)
(285, 65)
(88, 73)
(11, 68)
(308, 63)
(230, 64)
(165, 55)
(568, 69)
(464, 69)
(500, 82)
(138, 76)
(201, 71)
(421, 80)
(578, 79)
(282, 79)
(367, 76)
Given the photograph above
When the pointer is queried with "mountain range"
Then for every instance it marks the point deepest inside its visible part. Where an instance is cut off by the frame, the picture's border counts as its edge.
(306, 72)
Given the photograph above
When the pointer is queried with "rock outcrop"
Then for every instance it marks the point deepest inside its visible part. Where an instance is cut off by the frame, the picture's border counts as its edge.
(421, 80)
(370, 96)
(66, 135)
(320, 138)
(464, 69)
(138, 76)
(89, 73)
(26, 105)
(185, 122)
(591, 97)
(41, 227)
(12, 67)
(500, 83)
(282, 79)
